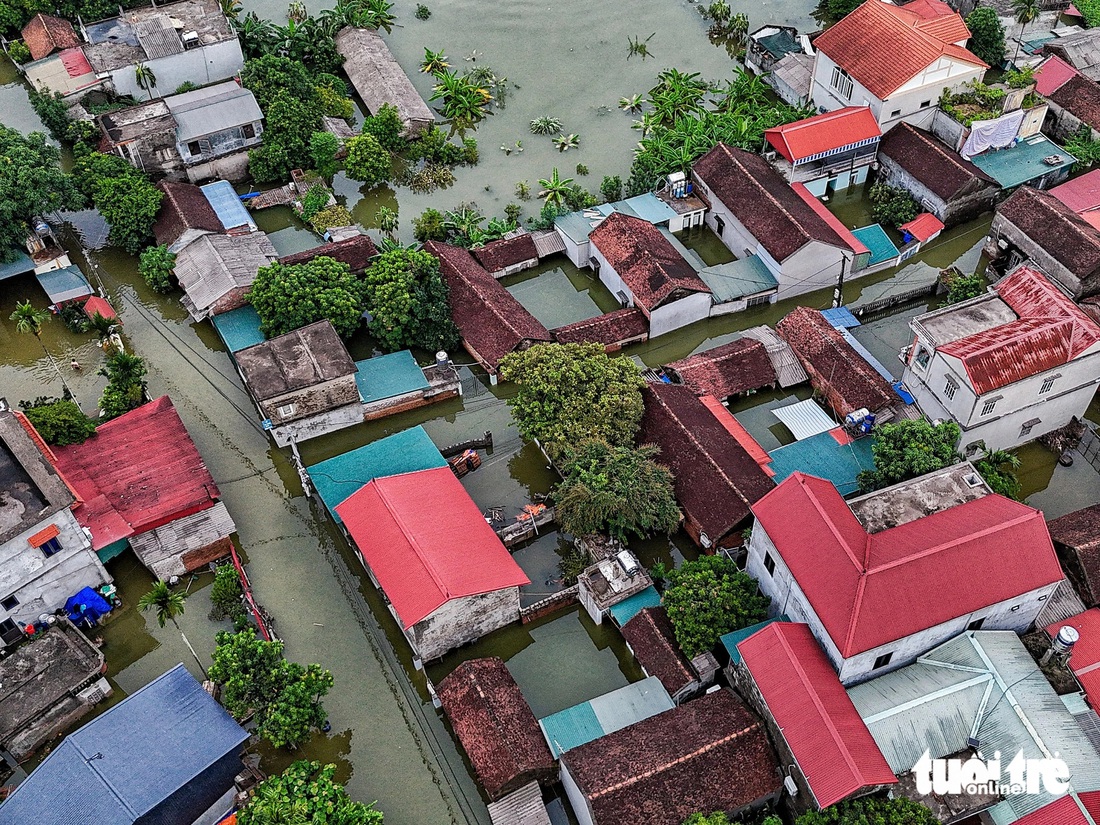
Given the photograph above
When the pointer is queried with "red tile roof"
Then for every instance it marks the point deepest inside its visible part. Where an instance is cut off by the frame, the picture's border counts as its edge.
(872, 589)
(1080, 96)
(823, 133)
(489, 318)
(932, 162)
(184, 207)
(730, 369)
(138, 472)
(780, 220)
(924, 227)
(645, 260)
(497, 256)
(612, 329)
(405, 527)
(835, 751)
(46, 34)
(1080, 194)
(1051, 330)
(710, 754)
(1058, 230)
(653, 642)
(883, 46)
(1063, 811)
(1085, 659)
(1052, 75)
(355, 251)
(1079, 533)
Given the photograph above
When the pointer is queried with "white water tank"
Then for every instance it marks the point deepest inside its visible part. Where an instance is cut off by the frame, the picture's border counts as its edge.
(1065, 639)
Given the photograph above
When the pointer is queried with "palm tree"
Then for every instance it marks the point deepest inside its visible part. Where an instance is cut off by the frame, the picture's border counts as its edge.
(257, 35)
(168, 604)
(102, 326)
(554, 189)
(145, 78)
(29, 319)
(1025, 11)
(231, 8)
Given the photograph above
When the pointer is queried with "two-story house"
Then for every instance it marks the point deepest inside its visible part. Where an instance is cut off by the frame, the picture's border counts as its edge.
(1007, 366)
(884, 578)
(895, 60)
(45, 556)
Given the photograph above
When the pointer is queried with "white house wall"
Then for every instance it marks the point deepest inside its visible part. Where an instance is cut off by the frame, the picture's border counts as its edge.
(201, 65)
(610, 278)
(464, 620)
(687, 310)
(576, 798)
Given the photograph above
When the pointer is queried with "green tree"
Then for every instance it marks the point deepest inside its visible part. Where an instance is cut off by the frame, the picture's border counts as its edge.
(270, 75)
(998, 468)
(367, 161)
(429, 226)
(987, 35)
(891, 205)
(1025, 11)
(52, 111)
(611, 188)
(708, 598)
(226, 594)
(302, 794)
(31, 184)
(254, 676)
(386, 126)
(288, 297)
(60, 422)
(18, 52)
(569, 393)
(129, 203)
(554, 189)
(964, 287)
(158, 267)
(125, 388)
(286, 142)
(910, 448)
(872, 810)
(168, 605)
(408, 302)
(323, 148)
(615, 490)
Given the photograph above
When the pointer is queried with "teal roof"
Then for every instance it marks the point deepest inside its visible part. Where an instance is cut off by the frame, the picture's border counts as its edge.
(874, 237)
(650, 208)
(577, 227)
(627, 609)
(239, 328)
(822, 456)
(386, 376)
(605, 714)
(64, 284)
(731, 640)
(738, 279)
(1023, 162)
(405, 452)
(19, 265)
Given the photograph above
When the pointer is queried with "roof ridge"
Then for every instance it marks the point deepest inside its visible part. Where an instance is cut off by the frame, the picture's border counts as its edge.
(828, 519)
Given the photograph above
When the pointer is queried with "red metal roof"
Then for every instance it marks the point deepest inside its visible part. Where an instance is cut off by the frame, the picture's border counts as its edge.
(924, 227)
(1080, 194)
(734, 428)
(835, 751)
(427, 542)
(1063, 811)
(138, 472)
(884, 46)
(75, 63)
(851, 241)
(1051, 330)
(872, 589)
(96, 304)
(1052, 75)
(823, 133)
(1085, 659)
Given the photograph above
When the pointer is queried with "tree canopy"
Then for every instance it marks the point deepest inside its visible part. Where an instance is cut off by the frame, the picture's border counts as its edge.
(367, 161)
(60, 422)
(872, 810)
(125, 388)
(570, 393)
(124, 196)
(289, 297)
(910, 448)
(306, 793)
(998, 469)
(158, 267)
(407, 301)
(708, 598)
(616, 490)
(987, 35)
(964, 287)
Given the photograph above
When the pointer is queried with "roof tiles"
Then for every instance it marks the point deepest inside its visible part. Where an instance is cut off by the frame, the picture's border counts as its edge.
(930, 161)
(653, 641)
(739, 366)
(46, 34)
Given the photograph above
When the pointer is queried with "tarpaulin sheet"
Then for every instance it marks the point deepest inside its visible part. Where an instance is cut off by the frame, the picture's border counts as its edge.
(86, 604)
(992, 134)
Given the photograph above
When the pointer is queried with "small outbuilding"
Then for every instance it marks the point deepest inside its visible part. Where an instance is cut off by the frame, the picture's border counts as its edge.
(508, 256)
(185, 213)
(652, 640)
(216, 271)
(614, 330)
(741, 366)
(45, 34)
(495, 726)
(609, 582)
(1076, 538)
(379, 79)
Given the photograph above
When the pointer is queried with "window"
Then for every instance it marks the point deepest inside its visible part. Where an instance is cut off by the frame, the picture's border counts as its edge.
(595, 263)
(249, 131)
(285, 410)
(989, 406)
(924, 104)
(757, 300)
(949, 388)
(842, 82)
(923, 357)
(976, 624)
(1014, 608)
(1048, 384)
(719, 226)
(50, 546)
(1028, 426)
(883, 660)
(895, 113)
(10, 603)
(193, 148)
(769, 564)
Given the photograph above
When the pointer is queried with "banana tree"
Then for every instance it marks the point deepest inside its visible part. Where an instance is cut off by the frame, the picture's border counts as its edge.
(555, 188)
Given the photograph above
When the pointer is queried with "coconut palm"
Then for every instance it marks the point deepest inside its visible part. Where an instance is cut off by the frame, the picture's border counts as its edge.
(102, 326)
(555, 188)
(1025, 11)
(434, 63)
(257, 35)
(145, 78)
(168, 604)
(29, 319)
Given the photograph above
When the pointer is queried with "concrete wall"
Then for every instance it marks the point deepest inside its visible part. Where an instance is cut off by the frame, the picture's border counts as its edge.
(686, 221)
(1028, 248)
(310, 401)
(576, 252)
(681, 313)
(43, 584)
(824, 182)
(464, 620)
(231, 167)
(200, 65)
(576, 798)
(1062, 124)
(1016, 614)
(610, 278)
(974, 199)
(323, 423)
(218, 144)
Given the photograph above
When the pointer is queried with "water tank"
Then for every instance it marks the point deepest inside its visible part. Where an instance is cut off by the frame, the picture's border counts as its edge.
(1064, 641)
(41, 227)
(628, 562)
(677, 183)
(856, 416)
(442, 359)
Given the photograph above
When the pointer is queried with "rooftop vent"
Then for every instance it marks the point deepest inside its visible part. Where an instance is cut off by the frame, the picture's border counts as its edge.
(973, 479)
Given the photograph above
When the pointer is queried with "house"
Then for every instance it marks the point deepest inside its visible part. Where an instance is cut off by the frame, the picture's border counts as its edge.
(789, 681)
(1007, 366)
(895, 60)
(46, 34)
(508, 256)
(356, 251)
(940, 180)
(379, 80)
(45, 556)
(185, 42)
(741, 366)
(216, 271)
(715, 479)
(609, 582)
(757, 214)
(981, 691)
(614, 330)
(303, 382)
(838, 372)
(883, 578)
(57, 63)
(409, 544)
(1081, 50)
(495, 726)
(642, 268)
(201, 134)
(673, 208)
(139, 477)
(1076, 538)
(490, 320)
(650, 637)
(1073, 98)
(827, 152)
(167, 753)
(710, 754)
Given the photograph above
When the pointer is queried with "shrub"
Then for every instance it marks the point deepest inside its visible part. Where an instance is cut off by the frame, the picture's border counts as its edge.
(329, 217)
(470, 154)
(891, 205)
(335, 104)
(611, 188)
(314, 201)
(186, 86)
(708, 598)
(226, 594)
(582, 169)
(158, 267)
(422, 12)
(18, 51)
(386, 127)
(367, 161)
(60, 422)
(429, 226)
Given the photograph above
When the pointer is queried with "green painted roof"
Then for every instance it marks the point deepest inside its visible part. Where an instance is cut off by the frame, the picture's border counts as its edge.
(628, 608)
(405, 452)
(738, 279)
(388, 375)
(822, 456)
(239, 328)
(731, 640)
(1023, 162)
(874, 237)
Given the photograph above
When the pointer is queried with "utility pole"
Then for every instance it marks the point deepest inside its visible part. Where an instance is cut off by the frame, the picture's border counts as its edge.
(838, 293)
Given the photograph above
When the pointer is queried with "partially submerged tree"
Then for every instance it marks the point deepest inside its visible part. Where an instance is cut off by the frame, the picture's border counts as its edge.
(998, 468)
(167, 604)
(408, 302)
(708, 598)
(964, 287)
(304, 793)
(125, 388)
(367, 160)
(910, 448)
(60, 422)
(872, 810)
(31, 184)
(289, 297)
(158, 267)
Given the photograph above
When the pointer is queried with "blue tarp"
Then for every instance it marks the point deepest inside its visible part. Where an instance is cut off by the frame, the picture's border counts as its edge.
(840, 317)
(227, 205)
(86, 607)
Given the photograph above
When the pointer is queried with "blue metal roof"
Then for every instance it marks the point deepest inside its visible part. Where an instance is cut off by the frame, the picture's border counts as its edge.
(822, 456)
(386, 376)
(605, 714)
(226, 203)
(731, 640)
(874, 237)
(130, 759)
(19, 265)
(405, 452)
(576, 226)
(650, 208)
(628, 608)
(64, 284)
(840, 317)
(239, 328)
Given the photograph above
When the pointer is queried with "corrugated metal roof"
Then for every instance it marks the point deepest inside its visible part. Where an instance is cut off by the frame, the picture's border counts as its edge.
(158, 37)
(212, 266)
(547, 242)
(649, 207)
(226, 203)
(788, 369)
(523, 807)
(823, 456)
(239, 328)
(588, 721)
(161, 549)
(64, 284)
(878, 243)
(738, 279)
(213, 109)
(804, 419)
(20, 264)
(631, 606)
(386, 376)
